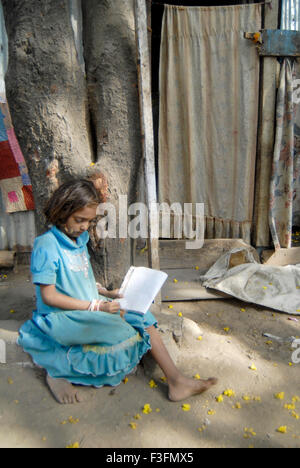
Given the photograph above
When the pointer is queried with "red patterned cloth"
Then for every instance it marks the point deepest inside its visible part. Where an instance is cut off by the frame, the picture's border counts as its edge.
(15, 183)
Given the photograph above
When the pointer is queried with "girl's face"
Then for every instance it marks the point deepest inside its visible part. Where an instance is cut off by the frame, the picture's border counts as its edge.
(79, 221)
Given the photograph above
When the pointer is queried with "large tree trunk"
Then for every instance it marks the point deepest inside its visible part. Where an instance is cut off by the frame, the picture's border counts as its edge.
(110, 56)
(46, 93)
(65, 121)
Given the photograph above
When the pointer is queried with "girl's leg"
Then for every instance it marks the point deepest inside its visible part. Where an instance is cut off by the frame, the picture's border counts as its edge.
(180, 387)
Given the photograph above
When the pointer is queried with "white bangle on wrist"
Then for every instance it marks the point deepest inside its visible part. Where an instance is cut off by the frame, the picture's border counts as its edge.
(95, 305)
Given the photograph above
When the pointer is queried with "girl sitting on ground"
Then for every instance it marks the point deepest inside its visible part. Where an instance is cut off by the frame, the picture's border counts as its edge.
(81, 337)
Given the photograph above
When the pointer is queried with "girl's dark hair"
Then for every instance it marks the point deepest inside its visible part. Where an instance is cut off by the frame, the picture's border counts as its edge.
(68, 198)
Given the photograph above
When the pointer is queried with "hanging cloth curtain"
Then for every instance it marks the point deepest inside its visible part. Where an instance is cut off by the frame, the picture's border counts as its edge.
(15, 186)
(209, 79)
(285, 181)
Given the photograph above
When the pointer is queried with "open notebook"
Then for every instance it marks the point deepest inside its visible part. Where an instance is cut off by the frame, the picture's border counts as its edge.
(140, 287)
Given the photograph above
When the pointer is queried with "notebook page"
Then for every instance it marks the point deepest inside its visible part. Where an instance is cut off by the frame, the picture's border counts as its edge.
(140, 287)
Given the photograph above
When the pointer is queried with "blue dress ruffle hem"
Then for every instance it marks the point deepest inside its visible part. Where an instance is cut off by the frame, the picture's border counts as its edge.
(87, 348)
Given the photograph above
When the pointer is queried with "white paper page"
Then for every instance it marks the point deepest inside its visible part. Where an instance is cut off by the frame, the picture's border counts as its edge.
(140, 287)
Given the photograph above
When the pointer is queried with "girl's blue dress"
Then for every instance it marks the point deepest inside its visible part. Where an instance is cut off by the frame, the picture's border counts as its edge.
(86, 348)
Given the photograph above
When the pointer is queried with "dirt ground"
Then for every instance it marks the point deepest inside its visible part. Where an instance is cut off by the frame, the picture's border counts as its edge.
(231, 343)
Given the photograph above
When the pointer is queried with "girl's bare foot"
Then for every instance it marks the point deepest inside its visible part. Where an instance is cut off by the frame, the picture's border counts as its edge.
(185, 387)
(64, 391)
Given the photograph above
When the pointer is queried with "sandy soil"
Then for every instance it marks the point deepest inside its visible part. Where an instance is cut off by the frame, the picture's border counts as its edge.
(232, 341)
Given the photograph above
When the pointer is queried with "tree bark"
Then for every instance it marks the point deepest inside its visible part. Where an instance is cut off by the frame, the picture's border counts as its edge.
(110, 57)
(47, 94)
(69, 124)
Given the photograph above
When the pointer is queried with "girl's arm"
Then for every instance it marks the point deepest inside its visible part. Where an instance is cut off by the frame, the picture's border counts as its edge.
(114, 294)
(53, 298)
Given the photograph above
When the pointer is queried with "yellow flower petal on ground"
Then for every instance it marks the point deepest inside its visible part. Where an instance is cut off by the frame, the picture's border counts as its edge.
(125, 380)
(179, 314)
(290, 406)
(170, 307)
(257, 398)
(186, 407)
(238, 405)
(152, 384)
(163, 379)
(12, 311)
(196, 268)
(229, 392)
(282, 429)
(197, 377)
(132, 425)
(147, 409)
(200, 338)
(202, 428)
(220, 398)
(137, 416)
(175, 280)
(269, 342)
(279, 396)
(73, 446)
(296, 398)
(211, 412)
(253, 367)
(72, 420)
(246, 397)
(249, 432)
(10, 381)
(157, 410)
(243, 310)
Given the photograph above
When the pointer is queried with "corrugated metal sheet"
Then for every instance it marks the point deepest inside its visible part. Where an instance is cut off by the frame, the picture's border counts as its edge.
(17, 230)
(290, 18)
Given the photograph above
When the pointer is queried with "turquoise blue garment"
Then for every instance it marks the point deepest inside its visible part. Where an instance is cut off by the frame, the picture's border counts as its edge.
(86, 348)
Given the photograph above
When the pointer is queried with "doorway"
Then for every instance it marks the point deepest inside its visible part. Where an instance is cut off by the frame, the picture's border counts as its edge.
(214, 229)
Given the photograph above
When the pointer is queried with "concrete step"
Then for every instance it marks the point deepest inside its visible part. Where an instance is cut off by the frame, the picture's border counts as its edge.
(10, 352)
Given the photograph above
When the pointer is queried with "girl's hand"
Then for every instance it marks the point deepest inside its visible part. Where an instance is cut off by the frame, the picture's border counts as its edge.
(115, 294)
(111, 307)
